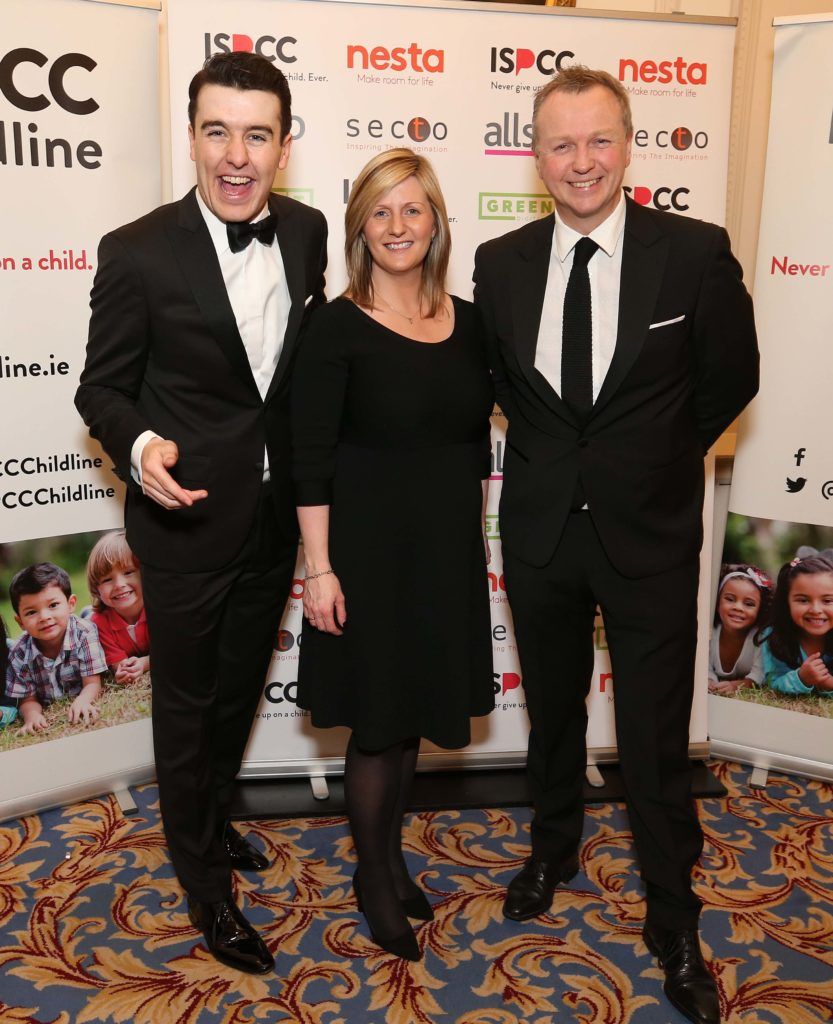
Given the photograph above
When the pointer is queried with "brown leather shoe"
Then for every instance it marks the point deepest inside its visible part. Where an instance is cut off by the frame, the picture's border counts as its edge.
(530, 892)
(689, 986)
(243, 856)
(229, 936)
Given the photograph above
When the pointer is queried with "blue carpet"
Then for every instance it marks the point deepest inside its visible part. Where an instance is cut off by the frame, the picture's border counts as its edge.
(93, 925)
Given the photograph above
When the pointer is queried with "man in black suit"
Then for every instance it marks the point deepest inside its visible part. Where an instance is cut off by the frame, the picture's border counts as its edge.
(622, 343)
(196, 313)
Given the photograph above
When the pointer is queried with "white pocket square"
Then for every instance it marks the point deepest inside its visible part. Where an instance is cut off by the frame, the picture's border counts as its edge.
(307, 300)
(665, 323)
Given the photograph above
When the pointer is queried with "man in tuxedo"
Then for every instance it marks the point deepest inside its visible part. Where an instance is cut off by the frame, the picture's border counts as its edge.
(197, 310)
(622, 343)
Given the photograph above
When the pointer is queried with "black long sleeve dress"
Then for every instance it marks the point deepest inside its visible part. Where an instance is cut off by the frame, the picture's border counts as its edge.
(393, 434)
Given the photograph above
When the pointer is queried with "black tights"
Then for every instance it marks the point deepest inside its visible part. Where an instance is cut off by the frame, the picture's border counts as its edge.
(377, 785)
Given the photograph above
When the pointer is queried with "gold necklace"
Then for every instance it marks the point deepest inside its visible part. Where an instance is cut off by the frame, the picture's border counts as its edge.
(398, 312)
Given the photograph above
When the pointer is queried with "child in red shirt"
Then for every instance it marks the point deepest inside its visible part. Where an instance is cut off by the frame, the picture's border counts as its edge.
(118, 608)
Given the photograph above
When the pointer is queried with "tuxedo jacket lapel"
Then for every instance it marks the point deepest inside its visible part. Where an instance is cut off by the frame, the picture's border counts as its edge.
(197, 258)
(528, 290)
(643, 264)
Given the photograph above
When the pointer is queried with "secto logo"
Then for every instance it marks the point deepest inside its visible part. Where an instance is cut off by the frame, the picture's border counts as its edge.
(417, 129)
(679, 139)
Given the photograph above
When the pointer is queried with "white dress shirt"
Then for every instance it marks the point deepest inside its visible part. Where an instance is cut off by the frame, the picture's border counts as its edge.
(604, 270)
(255, 281)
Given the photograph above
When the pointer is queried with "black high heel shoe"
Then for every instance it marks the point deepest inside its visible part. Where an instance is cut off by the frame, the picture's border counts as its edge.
(404, 945)
(416, 907)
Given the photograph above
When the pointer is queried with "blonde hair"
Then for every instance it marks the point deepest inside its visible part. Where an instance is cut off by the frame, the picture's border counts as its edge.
(110, 551)
(376, 179)
(577, 79)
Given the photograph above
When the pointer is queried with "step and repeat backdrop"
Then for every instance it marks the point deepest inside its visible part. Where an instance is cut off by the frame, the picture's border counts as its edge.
(457, 84)
(80, 143)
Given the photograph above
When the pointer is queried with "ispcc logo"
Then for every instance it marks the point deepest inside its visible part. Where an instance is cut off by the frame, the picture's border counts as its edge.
(662, 198)
(680, 139)
(505, 681)
(278, 693)
(506, 60)
(273, 48)
(52, 81)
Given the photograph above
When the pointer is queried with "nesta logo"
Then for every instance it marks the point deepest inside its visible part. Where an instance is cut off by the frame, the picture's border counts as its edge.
(418, 129)
(54, 80)
(400, 58)
(506, 60)
(676, 70)
(662, 198)
(680, 139)
(269, 47)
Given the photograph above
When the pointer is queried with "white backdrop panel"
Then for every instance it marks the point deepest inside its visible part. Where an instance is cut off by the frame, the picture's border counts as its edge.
(456, 83)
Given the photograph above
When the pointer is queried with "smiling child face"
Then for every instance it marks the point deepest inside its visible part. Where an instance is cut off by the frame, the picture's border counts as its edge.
(45, 617)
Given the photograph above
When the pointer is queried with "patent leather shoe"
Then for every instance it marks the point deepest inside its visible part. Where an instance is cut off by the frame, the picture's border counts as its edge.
(229, 936)
(404, 945)
(243, 856)
(689, 986)
(531, 891)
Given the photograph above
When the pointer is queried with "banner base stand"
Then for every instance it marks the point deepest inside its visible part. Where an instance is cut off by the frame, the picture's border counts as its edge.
(124, 798)
(432, 791)
(758, 778)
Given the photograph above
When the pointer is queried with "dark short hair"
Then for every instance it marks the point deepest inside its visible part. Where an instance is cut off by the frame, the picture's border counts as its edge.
(35, 578)
(240, 70)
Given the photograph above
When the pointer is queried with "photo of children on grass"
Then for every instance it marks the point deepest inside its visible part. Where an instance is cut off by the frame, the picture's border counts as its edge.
(74, 644)
(772, 639)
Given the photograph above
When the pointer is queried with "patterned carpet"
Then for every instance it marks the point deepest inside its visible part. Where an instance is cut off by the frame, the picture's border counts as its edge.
(92, 923)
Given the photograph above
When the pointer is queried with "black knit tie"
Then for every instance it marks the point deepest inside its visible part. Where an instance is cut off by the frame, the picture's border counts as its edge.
(240, 233)
(577, 334)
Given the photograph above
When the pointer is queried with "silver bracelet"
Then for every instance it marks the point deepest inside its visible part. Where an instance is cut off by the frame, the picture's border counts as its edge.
(315, 575)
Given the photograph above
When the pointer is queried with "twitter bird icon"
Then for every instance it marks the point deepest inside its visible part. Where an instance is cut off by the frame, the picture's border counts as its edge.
(794, 486)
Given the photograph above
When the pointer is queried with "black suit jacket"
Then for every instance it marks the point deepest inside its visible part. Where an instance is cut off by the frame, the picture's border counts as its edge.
(165, 354)
(685, 364)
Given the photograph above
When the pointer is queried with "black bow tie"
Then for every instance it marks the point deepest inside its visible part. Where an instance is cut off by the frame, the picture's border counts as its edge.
(241, 232)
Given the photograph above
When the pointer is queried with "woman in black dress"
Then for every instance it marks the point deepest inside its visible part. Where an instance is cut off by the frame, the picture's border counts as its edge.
(391, 404)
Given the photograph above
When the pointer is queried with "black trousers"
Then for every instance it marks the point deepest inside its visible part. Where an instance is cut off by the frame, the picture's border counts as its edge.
(211, 640)
(651, 628)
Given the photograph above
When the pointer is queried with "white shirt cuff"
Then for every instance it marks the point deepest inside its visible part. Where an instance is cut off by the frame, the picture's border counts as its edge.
(136, 455)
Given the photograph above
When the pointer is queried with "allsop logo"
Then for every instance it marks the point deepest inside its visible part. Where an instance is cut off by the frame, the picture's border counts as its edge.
(513, 205)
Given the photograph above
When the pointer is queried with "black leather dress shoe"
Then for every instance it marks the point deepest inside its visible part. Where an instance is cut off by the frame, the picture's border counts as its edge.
(689, 986)
(530, 892)
(243, 856)
(229, 936)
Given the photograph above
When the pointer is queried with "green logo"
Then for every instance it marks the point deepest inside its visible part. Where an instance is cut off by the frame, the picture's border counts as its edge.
(303, 195)
(513, 205)
(492, 527)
